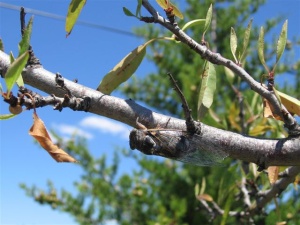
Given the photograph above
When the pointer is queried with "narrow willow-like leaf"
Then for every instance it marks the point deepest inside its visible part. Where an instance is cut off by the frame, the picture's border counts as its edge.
(261, 47)
(164, 5)
(74, 10)
(1, 45)
(138, 9)
(7, 116)
(14, 71)
(25, 42)
(246, 40)
(127, 12)
(207, 90)
(229, 75)
(281, 42)
(123, 70)
(193, 23)
(233, 43)
(208, 19)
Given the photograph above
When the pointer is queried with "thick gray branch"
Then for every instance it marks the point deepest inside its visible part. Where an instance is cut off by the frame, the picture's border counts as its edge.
(264, 152)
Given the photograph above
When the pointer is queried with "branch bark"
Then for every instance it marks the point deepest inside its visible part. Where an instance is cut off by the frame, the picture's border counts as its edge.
(264, 152)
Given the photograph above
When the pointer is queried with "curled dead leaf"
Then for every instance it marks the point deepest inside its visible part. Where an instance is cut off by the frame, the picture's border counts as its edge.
(269, 112)
(39, 132)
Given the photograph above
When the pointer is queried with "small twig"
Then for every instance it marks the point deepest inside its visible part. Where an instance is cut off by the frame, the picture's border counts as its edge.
(280, 185)
(22, 20)
(190, 123)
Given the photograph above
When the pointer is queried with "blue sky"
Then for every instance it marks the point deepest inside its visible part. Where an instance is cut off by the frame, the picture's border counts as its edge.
(87, 54)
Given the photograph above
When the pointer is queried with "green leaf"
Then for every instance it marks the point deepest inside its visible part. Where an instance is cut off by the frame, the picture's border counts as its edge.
(138, 9)
(25, 42)
(123, 70)
(193, 23)
(260, 48)
(246, 40)
(281, 42)
(229, 75)
(1, 45)
(74, 10)
(207, 90)
(233, 43)
(7, 116)
(14, 71)
(208, 19)
(128, 12)
(19, 81)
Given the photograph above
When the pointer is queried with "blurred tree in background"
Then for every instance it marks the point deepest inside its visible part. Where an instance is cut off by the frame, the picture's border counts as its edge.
(167, 192)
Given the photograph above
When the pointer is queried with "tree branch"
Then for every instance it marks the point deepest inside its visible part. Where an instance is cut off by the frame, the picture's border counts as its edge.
(264, 152)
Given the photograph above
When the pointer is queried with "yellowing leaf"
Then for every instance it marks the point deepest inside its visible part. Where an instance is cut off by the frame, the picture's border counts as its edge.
(291, 104)
(74, 10)
(164, 4)
(123, 70)
(273, 174)
(39, 132)
(259, 130)
(207, 90)
(205, 197)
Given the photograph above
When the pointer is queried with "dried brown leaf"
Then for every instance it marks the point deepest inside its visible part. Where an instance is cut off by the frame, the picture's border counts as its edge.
(273, 173)
(268, 110)
(205, 197)
(39, 132)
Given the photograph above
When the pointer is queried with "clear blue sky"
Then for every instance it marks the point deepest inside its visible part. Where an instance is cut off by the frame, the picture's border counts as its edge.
(88, 54)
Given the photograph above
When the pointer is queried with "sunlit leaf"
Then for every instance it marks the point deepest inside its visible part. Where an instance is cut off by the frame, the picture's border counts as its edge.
(246, 40)
(261, 47)
(123, 70)
(207, 90)
(40, 133)
(7, 116)
(207, 19)
(273, 174)
(25, 42)
(193, 23)
(14, 71)
(128, 12)
(19, 81)
(164, 5)
(74, 10)
(281, 41)
(291, 104)
(233, 43)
